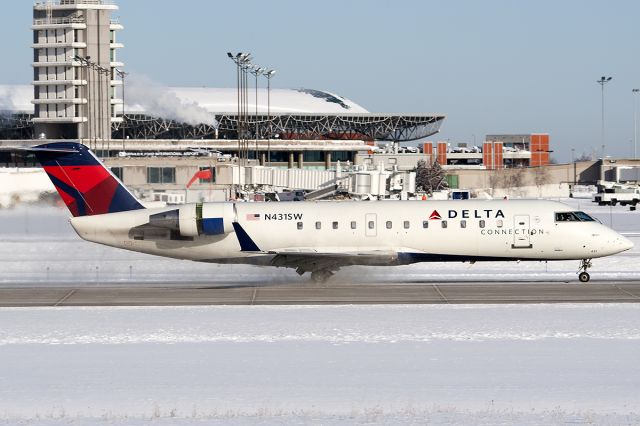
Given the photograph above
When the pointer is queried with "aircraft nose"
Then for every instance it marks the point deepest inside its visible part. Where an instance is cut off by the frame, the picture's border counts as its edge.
(625, 243)
(614, 243)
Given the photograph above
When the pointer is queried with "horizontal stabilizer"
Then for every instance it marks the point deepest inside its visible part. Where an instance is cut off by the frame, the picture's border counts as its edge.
(37, 149)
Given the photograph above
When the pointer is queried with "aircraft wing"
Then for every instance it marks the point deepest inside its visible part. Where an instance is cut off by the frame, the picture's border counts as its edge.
(312, 260)
(317, 258)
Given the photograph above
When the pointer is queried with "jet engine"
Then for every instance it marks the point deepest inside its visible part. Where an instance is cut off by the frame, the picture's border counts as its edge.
(192, 220)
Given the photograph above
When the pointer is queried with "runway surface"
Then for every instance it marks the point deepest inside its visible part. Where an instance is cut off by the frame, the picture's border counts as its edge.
(419, 293)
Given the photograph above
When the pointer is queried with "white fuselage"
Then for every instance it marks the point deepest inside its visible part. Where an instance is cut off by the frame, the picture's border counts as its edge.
(410, 231)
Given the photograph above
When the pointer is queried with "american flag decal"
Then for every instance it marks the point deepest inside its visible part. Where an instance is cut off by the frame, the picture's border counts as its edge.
(253, 216)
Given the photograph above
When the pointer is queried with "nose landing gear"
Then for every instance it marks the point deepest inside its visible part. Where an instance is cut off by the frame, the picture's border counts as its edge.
(584, 275)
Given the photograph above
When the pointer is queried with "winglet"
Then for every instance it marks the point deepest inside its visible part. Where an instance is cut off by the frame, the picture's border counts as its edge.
(246, 243)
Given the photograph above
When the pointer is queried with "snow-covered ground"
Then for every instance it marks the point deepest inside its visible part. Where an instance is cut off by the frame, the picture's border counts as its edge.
(476, 364)
(18, 185)
(507, 364)
(40, 248)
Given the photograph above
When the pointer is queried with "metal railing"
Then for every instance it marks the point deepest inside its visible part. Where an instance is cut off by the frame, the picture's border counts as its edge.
(57, 21)
(72, 2)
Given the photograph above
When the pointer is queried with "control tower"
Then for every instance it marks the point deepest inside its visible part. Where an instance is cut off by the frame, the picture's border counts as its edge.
(75, 98)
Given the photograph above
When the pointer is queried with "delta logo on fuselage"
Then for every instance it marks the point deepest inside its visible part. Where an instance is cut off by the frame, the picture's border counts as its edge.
(469, 214)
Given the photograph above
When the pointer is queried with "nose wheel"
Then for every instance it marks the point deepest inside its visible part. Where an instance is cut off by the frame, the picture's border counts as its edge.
(584, 275)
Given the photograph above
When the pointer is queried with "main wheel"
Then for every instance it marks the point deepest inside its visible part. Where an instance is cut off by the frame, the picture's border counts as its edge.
(584, 277)
(320, 276)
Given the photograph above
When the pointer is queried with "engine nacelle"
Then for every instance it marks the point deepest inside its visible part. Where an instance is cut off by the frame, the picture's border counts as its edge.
(217, 218)
(192, 220)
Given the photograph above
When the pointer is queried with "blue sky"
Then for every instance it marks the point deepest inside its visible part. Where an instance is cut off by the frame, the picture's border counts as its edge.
(490, 66)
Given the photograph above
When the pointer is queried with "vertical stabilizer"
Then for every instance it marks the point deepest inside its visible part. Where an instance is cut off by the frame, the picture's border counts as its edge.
(86, 186)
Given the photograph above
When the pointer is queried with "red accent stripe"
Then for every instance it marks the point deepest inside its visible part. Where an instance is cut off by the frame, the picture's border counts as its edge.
(83, 178)
(95, 183)
(69, 201)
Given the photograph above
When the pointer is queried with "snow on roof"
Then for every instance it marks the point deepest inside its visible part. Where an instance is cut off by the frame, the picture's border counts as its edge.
(17, 98)
(282, 100)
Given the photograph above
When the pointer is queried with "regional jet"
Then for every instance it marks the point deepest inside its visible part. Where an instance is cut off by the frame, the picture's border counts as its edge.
(322, 237)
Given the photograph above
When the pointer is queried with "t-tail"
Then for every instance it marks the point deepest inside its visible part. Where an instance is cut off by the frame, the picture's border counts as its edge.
(86, 186)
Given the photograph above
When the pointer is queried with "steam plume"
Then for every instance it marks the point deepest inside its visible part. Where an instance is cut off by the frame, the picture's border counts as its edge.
(159, 101)
(7, 106)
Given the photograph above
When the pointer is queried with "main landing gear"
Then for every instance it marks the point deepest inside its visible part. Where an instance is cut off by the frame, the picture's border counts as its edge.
(321, 276)
(584, 275)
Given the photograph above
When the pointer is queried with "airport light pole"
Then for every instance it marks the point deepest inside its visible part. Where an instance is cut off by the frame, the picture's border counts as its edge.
(573, 160)
(92, 106)
(235, 60)
(122, 76)
(88, 64)
(84, 64)
(101, 98)
(98, 79)
(256, 71)
(602, 81)
(246, 66)
(269, 74)
(635, 122)
(242, 61)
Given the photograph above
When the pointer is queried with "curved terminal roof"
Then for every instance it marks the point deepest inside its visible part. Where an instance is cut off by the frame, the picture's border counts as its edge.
(195, 113)
(17, 98)
(293, 101)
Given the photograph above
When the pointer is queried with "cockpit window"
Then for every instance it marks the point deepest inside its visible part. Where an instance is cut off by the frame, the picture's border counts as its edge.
(584, 217)
(566, 217)
(573, 217)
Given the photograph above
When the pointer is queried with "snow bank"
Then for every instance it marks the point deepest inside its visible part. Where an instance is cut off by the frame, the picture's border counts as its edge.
(23, 185)
(537, 364)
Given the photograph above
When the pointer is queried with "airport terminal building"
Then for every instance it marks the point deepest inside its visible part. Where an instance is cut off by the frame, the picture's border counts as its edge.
(160, 136)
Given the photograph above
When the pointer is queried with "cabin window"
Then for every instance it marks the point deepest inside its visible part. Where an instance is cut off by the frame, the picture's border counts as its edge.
(444, 223)
(371, 224)
(335, 225)
(353, 224)
(463, 224)
(425, 224)
(318, 225)
(406, 224)
(299, 225)
(499, 223)
(389, 224)
(481, 223)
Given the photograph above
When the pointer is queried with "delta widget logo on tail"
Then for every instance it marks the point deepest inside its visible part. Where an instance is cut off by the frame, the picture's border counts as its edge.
(435, 215)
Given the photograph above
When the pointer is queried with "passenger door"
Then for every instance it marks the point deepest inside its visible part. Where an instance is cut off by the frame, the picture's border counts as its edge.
(521, 235)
